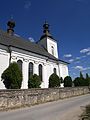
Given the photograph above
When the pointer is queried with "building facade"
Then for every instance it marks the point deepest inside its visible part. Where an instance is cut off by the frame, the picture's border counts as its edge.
(39, 58)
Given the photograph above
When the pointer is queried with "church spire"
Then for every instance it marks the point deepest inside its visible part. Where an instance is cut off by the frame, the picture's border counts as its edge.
(46, 28)
(46, 31)
(11, 25)
(48, 42)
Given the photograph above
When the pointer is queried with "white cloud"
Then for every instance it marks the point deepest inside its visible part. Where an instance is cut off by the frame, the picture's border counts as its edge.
(85, 50)
(88, 68)
(78, 58)
(83, 56)
(81, 68)
(71, 60)
(77, 62)
(31, 39)
(27, 4)
(67, 55)
(74, 73)
(88, 53)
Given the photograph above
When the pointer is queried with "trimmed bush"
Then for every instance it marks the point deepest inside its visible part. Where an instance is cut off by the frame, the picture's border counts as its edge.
(76, 82)
(67, 81)
(12, 77)
(34, 81)
(54, 81)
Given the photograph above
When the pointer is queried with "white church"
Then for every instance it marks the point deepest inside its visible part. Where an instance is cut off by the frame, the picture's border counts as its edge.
(39, 58)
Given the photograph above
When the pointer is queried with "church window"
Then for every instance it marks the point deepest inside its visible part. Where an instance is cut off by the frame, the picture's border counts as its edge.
(52, 50)
(19, 62)
(40, 71)
(30, 69)
(54, 70)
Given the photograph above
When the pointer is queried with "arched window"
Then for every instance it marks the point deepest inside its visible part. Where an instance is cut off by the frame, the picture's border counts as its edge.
(19, 62)
(54, 70)
(30, 69)
(52, 50)
(40, 71)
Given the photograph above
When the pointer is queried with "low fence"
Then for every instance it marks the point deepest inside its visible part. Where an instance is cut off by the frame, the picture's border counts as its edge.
(29, 97)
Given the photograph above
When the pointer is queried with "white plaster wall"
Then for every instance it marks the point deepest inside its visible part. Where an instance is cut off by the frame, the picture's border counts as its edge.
(27, 57)
(49, 70)
(47, 43)
(63, 70)
(4, 63)
(48, 67)
(53, 43)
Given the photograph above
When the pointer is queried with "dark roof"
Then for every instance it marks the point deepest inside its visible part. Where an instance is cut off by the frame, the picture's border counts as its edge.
(18, 42)
(44, 36)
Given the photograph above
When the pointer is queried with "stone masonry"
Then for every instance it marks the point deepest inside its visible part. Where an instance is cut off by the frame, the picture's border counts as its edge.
(20, 98)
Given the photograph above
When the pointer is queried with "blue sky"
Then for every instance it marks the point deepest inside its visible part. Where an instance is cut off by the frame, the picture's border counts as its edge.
(69, 24)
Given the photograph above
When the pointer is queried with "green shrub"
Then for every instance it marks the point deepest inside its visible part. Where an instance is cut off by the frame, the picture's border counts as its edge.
(67, 81)
(76, 82)
(54, 81)
(81, 81)
(12, 77)
(34, 81)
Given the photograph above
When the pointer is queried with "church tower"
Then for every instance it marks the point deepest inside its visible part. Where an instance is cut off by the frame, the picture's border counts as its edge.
(48, 42)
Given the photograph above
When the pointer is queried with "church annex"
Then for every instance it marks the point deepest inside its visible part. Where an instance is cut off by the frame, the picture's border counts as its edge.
(39, 58)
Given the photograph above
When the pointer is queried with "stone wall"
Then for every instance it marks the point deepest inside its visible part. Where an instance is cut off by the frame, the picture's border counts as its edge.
(21, 98)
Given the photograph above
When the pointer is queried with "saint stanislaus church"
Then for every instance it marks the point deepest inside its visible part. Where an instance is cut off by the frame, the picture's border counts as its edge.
(39, 58)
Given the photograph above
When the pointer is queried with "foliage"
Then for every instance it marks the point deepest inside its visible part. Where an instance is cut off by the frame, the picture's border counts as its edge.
(76, 81)
(88, 79)
(81, 81)
(61, 80)
(12, 76)
(67, 81)
(81, 75)
(54, 81)
(34, 81)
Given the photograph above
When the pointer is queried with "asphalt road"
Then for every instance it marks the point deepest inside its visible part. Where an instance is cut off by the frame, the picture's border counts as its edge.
(48, 111)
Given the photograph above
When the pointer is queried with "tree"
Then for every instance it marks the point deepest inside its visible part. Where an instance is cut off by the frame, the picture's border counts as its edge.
(67, 81)
(81, 81)
(81, 75)
(84, 81)
(12, 77)
(87, 79)
(87, 76)
(34, 81)
(54, 81)
(76, 81)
